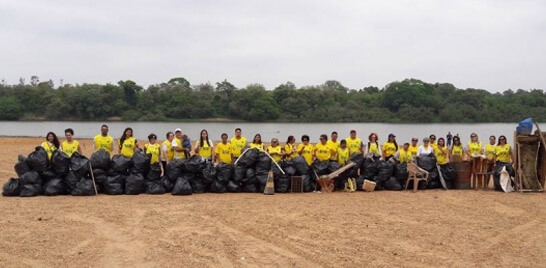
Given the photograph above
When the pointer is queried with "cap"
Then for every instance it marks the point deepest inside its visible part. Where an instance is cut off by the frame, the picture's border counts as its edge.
(392, 135)
(177, 130)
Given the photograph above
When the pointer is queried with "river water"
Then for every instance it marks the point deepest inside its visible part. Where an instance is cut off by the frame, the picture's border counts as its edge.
(403, 132)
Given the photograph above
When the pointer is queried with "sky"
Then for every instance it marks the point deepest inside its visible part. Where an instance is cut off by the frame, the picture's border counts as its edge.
(487, 44)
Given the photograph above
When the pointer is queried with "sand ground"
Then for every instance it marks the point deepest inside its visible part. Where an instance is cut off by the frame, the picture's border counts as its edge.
(457, 228)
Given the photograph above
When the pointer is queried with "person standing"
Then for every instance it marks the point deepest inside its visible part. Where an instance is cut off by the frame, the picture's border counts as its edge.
(51, 144)
(257, 142)
(414, 147)
(389, 148)
(333, 142)
(322, 151)
(289, 150)
(167, 151)
(204, 146)
(432, 139)
(449, 137)
(104, 141)
(426, 148)
(127, 143)
(474, 147)
(403, 155)
(70, 146)
(342, 153)
(441, 152)
(373, 145)
(275, 150)
(238, 143)
(224, 151)
(503, 152)
(457, 150)
(354, 143)
(305, 149)
(179, 151)
(153, 149)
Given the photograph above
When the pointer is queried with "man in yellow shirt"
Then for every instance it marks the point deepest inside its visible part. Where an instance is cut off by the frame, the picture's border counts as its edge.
(322, 151)
(414, 147)
(404, 155)
(103, 141)
(333, 143)
(238, 143)
(224, 151)
(354, 143)
(179, 150)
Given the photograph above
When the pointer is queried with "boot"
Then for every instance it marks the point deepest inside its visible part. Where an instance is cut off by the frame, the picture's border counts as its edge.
(353, 182)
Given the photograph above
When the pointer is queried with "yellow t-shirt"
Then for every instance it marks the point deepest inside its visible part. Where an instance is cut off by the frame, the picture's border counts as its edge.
(128, 147)
(342, 156)
(259, 146)
(404, 156)
(206, 150)
(373, 148)
(168, 147)
(104, 142)
(306, 152)
(49, 148)
(434, 145)
(413, 150)
(334, 145)
(503, 153)
(354, 145)
(178, 155)
(441, 157)
(238, 145)
(389, 148)
(224, 152)
(323, 152)
(289, 151)
(154, 150)
(457, 150)
(70, 148)
(474, 147)
(490, 150)
(275, 152)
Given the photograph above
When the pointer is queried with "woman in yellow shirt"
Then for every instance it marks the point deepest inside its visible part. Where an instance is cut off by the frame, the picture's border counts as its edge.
(503, 151)
(305, 149)
(257, 142)
(441, 152)
(390, 147)
(414, 147)
(289, 150)
(51, 144)
(127, 143)
(474, 146)
(322, 151)
(373, 144)
(167, 150)
(204, 146)
(404, 155)
(70, 146)
(275, 150)
(457, 150)
(490, 149)
(153, 149)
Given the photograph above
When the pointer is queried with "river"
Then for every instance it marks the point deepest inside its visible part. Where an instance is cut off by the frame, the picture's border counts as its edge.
(403, 132)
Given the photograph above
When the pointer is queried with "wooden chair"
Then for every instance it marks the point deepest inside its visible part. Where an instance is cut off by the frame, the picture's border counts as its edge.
(416, 174)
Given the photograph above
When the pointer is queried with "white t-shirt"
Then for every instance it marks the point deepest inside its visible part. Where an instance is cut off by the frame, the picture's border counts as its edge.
(425, 151)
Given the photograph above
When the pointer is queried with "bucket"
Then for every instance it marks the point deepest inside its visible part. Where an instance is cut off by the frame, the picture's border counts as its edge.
(525, 127)
(463, 171)
(368, 186)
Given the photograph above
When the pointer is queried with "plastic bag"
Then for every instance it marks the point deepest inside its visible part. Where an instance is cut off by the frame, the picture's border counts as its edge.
(11, 188)
(182, 187)
(100, 159)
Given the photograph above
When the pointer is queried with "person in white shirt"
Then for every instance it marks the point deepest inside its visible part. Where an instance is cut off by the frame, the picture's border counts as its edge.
(425, 149)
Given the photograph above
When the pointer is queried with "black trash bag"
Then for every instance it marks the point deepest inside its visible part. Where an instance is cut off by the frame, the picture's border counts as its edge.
(357, 158)
(79, 164)
(339, 182)
(31, 177)
(360, 182)
(320, 167)
(393, 184)
(282, 184)
(100, 159)
(434, 176)
(223, 173)
(218, 187)
(194, 164)
(401, 173)
(21, 167)
(239, 174)
(385, 172)
(333, 166)
(250, 176)
(114, 184)
(261, 181)
(11, 188)
(99, 172)
(369, 168)
(55, 187)
(309, 184)
(37, 160)
(449, 174)
(498, 170)
(154, 173)
(249, 158)
(208, 173)
(182, 187)
(60, 163)
(121, 164)
(70, 181)
(263, 164)
(233, 187)
(100, 181)
(249, 187)
(427, 162)
(175, 169)
(167, 183)
(289, 170)
(155, 187)
(84, 188)
(29, 190)
(141, 162)
(49, 175)
(301, 166)
(134, 184)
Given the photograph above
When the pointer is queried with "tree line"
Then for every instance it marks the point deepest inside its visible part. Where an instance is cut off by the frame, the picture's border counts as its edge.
(407, 101)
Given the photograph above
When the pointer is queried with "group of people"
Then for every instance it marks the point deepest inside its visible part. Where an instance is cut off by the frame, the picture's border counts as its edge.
(177, 145)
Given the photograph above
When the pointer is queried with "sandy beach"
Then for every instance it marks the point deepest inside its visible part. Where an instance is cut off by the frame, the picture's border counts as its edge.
(432, 228)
